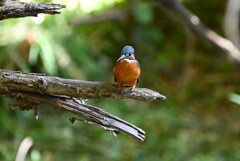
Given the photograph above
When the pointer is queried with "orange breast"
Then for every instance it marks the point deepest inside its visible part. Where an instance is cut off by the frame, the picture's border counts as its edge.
(126, 72)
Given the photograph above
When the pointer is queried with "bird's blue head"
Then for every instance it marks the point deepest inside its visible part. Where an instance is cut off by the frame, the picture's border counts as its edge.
(127, 50)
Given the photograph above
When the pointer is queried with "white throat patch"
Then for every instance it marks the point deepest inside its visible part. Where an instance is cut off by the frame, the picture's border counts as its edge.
(128, 60)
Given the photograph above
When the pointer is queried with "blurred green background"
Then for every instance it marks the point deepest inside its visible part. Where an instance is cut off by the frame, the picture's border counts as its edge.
(200, 120)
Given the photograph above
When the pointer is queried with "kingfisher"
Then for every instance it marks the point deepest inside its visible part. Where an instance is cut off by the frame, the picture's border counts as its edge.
(127, 69)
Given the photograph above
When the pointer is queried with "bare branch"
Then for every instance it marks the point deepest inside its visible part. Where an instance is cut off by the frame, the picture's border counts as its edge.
(42, 84)
(32, 90)
(13, 9)
(88, 113)
(194, 23)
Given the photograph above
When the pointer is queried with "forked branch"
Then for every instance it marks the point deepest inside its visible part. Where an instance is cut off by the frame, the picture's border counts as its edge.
(32, 90)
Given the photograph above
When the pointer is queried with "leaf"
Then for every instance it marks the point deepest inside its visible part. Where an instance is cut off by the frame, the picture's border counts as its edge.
(234, 98)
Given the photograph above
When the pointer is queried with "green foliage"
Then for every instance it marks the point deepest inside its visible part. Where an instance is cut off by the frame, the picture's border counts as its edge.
(198, 121)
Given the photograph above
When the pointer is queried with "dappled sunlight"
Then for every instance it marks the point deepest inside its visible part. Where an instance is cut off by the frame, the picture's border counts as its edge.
(87, 6)
(95, 5)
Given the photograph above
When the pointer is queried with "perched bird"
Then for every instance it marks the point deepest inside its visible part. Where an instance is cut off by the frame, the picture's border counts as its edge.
(127, 69)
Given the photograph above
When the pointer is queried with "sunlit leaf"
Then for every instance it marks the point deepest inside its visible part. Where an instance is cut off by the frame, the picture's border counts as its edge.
(234, 98)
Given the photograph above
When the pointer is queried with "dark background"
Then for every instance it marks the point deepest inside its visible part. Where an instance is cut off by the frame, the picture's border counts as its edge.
(198, 121)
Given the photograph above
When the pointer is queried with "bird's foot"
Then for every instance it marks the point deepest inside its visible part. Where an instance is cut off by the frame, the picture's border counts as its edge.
(132, 88)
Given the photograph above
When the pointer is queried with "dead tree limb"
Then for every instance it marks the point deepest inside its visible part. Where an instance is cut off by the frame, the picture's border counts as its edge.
(32, 90)
(42, 84)
(13, 9)
(195, 25)
(88, 113)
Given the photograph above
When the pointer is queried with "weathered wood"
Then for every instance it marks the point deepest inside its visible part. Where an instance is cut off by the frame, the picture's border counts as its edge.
(88, 113)
(38, 83)
(13, 9)
(32, 90)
